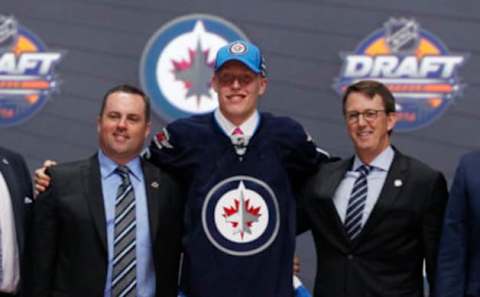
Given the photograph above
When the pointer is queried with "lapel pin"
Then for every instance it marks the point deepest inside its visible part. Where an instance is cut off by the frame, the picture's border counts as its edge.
(154, 185)
(4, 161)
(398, 183)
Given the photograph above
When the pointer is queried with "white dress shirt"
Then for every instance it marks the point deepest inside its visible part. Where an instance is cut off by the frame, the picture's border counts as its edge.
(375, 180)
(248, 127)
(10, 258)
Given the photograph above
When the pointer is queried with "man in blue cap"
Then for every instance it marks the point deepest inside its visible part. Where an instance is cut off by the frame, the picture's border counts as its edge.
(241, 167)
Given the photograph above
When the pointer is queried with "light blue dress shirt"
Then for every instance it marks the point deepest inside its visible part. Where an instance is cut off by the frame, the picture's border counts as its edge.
(375, 180)
(110, 183)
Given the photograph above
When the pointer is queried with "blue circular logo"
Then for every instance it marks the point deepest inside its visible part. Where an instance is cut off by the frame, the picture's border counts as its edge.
(178, 62)
(240, 216)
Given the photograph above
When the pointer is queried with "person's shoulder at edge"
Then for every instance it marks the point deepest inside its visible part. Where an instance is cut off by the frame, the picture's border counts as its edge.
(9, 153)
(470, 157)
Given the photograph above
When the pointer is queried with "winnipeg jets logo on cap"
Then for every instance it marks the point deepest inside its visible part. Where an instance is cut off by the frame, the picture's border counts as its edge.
(240, 216)
(238, 48)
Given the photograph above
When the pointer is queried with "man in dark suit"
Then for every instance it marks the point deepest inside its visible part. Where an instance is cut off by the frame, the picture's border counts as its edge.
(458, 273)
(377, 216)
(15, 207)
(109, 225)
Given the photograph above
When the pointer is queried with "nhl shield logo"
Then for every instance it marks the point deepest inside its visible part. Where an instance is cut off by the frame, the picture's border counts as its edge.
(178, 61)
(402, 35)
(240, 216)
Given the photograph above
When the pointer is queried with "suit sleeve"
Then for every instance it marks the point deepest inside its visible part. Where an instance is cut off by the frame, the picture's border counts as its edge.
(432, 225)
(44, 243)
(453, 245)
(303, 156)
(303, 222)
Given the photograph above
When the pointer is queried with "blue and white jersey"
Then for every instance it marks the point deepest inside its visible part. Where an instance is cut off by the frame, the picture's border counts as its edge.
(240, 213)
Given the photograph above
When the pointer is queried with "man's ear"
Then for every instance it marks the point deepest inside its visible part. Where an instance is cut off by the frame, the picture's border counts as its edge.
(263, 86)
(99, 119)
(391, 120)
(214, 82)
(148, 130)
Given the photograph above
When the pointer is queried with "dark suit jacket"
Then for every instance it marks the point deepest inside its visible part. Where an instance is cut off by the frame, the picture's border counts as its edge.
(386, 258)
(459, 255)
(19, 183)
(69, 231)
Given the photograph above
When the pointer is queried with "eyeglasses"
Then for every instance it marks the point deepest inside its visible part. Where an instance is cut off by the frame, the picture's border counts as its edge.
(229, 79)
(369, 115)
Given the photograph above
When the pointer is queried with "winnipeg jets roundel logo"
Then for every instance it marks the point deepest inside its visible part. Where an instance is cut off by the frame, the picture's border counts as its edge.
(238, 48)
(240, 216)
(178, 62)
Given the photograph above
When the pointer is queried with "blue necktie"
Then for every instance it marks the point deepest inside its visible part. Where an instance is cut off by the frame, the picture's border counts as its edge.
(356, 203)
(124, 274)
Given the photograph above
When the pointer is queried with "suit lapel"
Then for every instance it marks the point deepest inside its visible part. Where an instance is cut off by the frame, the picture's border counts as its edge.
(396, 177)
(153, 187)
(16, 201)
(94, 196)
(327, 188)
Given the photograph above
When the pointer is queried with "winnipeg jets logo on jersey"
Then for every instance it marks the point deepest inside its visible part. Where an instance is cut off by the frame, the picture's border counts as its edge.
(240, 216)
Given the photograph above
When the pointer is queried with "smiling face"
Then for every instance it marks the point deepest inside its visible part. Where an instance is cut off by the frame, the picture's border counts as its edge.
(238, 90)
(370, 137)
(123, 127)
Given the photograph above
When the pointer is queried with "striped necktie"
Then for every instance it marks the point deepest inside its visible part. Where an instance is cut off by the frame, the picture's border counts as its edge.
(356, 203)
(124, 274)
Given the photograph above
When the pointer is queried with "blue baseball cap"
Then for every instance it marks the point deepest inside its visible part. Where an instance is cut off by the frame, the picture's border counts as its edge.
(244, 52)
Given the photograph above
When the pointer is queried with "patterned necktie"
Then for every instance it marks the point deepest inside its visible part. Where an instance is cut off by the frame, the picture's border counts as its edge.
(239, 142)
(237, 132)
(124, 272)
(356, 203)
